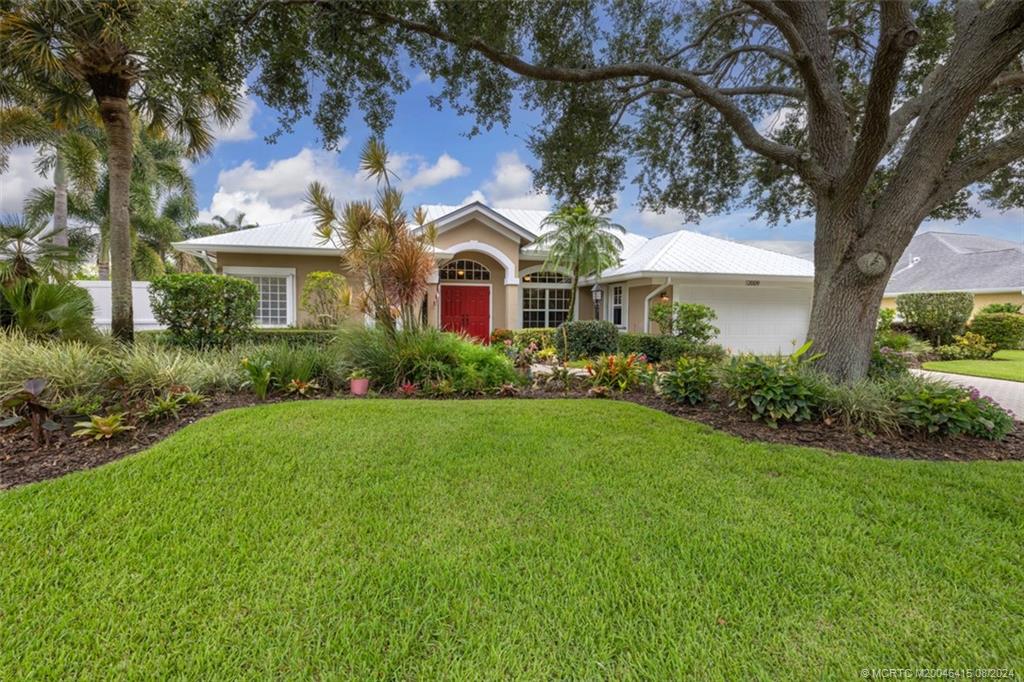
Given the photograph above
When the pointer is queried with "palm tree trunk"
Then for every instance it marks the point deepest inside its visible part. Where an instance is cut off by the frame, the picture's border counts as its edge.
(572, 296)
(60, 202)
(118, 124)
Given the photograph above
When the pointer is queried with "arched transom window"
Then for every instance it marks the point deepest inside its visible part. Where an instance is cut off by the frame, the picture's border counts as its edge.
(546, 297)
(464, 271)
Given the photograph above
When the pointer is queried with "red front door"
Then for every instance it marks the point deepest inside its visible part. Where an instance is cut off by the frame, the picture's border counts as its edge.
(466, 309)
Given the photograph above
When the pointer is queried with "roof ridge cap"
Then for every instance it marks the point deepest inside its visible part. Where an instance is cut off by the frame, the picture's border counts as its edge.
(663, 250)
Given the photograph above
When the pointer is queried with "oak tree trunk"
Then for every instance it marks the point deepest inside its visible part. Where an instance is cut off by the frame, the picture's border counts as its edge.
(118, 124)
(60, 202)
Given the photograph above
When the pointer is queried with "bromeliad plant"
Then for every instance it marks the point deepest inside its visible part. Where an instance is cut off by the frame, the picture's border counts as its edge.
(621, 372)
(102, 428)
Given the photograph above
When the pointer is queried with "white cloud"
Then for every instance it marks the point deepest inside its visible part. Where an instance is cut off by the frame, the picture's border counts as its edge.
(241, 128)
(427, 175)
(510, 186)
(19, 179)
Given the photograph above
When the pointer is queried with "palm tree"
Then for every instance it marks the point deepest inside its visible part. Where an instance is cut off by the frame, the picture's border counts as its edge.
(29, 252)
(162, 206)
(232, 225)
(581, 243)
(59, 119)
(136, 58)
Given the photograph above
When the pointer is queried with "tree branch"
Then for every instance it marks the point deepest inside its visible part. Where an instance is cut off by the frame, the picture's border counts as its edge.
(719, 100)
(773, 52)
(897, 35)
(978, 166)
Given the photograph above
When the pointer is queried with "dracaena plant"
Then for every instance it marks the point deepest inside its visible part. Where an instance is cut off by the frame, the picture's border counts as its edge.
(391, 257)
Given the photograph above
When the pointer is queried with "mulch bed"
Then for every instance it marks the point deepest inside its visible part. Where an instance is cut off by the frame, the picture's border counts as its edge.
(21, 461)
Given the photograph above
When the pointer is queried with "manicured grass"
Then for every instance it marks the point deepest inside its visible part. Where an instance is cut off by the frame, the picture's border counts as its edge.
(1006, 364)
(505, 539)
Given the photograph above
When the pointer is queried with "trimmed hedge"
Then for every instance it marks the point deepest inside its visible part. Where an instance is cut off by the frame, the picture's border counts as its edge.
(1005, 330)
(586, 339)
(936, 317)
(204, 311)
(649, 345)
(668, 348)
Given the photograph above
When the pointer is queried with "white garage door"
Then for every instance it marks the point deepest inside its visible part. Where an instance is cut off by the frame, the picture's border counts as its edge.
(756, 319)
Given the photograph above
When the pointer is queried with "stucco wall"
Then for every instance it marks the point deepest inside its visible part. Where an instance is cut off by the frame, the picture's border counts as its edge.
(476, 231)
(637, 294)
(980, 300)
(303, 266)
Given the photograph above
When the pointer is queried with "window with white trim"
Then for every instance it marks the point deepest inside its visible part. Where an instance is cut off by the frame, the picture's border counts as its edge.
(617, 307)
(464, 271)
(275, 307)
(546, 298)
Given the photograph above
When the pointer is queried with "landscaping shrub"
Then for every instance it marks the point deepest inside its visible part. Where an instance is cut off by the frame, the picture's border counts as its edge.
(675, 347)
(71, 368)
(543, 337)
(500, 335)
(865, 405)
(939, 409)
(294, 337)
(690, 381)
(936, 317)
(326, 298)
(585, 339)
(621, 372)
(691, 321)
(969, 346)
(903, 342)
(293, 365)
(887, 363)
(429, 359)
(204, 311)
(773, 390)
(144, 370)
(44, 309)
(1005, 330)
(648, 345)
(994, 308)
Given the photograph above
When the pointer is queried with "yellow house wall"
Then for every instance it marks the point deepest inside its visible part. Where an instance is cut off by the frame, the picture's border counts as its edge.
(980, 300)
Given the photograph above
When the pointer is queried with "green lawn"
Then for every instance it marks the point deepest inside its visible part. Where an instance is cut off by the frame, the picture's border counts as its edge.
(505, 539)
(1006, 364)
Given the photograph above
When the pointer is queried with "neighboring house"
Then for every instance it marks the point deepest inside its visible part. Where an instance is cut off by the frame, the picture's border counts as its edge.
(491, 275)
(991, 269)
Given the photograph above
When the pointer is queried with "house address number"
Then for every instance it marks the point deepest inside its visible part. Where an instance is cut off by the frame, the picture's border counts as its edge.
(753, 282)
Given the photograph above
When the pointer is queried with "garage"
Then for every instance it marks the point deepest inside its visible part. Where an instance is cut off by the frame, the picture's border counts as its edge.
(761, 318)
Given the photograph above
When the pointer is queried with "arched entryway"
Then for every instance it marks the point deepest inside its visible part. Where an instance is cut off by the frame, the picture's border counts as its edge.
(466, 298)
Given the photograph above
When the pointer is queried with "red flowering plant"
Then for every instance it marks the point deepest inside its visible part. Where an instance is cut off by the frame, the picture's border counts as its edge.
(621, 372)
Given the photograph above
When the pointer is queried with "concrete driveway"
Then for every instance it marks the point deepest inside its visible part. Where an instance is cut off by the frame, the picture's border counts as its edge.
(1009, 394)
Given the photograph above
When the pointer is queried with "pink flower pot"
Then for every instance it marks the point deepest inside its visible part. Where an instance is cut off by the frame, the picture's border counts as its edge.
(359, 386)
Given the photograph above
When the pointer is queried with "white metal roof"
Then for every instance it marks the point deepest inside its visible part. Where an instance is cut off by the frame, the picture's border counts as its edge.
(679, 252)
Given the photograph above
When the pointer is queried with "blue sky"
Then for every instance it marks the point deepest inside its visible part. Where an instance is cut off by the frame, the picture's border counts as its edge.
(437, 163)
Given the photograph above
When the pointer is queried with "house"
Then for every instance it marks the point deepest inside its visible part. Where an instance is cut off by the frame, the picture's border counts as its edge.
(991, 269)
(491, 275)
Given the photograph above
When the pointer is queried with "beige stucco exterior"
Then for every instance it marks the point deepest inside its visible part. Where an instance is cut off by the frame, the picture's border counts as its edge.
(302, 264)
(980, 300)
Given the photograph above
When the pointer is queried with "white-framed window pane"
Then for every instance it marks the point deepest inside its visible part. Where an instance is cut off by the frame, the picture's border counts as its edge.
(272, 309)
(617, 306)
(464, 270)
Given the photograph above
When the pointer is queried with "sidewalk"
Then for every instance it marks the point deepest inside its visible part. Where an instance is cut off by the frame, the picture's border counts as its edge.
(1009, 394)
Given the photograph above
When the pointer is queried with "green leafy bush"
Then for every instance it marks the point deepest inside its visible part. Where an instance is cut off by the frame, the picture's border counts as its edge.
(994, 308)
(690, 321)
(71, 368)
(425, 358)
(585, 339)
(939, 409)
(326, 298)
(1005, 330)
(542, 337)
(690, 381)
(204, 311)
(902, 342)
(887, 363)
(773, 390)
(44, 309)
(675, 347)
(969, 346)
(621, 372)
(936, 317)
(648, 345)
